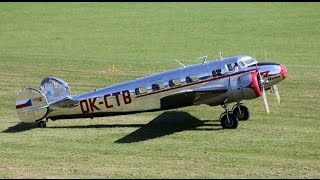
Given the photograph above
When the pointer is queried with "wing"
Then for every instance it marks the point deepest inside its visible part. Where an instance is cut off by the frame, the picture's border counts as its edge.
(191, 96)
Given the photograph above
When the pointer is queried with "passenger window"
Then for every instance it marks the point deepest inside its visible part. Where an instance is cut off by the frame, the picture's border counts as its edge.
(137, 91)
(161, 85)
(171, 83)
(229, 66)
(233, 66)
(191, 79)
(174, 82)
(218, 72)
(188, 79)
(155, 87)
(140, 90)
(194, 78)
(214, 73)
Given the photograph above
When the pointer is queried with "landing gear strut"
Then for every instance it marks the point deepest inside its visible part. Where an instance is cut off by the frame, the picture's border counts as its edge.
(241, 111)
(228, 119)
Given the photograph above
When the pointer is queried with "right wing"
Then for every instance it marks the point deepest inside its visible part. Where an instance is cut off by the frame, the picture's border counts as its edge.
(191, 96)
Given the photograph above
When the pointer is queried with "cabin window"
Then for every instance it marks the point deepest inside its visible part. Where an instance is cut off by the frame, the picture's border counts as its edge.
(155, 87)
(229, 67)
(137, 91)
(171, 83)
(188, 79)
(194, 78)
(161, 85)
(216, 73)
(232, 66)
(140, 90)
(174, 82)
(191, 79)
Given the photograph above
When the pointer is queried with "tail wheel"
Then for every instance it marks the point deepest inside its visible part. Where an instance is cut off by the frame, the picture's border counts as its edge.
(229, 123)
(41, 124)
(243, 114)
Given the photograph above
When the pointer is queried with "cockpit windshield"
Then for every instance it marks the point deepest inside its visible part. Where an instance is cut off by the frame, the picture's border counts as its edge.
(247, 61)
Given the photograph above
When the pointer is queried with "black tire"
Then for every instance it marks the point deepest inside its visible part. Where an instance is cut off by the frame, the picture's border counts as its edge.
(42, 124)
(245, 113)
(231, 124)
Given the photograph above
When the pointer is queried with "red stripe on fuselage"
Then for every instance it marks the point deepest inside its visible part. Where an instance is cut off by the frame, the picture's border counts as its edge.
(193, 83)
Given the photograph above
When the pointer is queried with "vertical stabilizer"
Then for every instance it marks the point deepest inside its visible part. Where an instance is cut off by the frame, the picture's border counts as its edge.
(31, 105)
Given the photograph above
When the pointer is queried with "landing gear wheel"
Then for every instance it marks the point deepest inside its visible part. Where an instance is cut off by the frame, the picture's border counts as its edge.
(41, 124)
(243, 115)
(230, 123)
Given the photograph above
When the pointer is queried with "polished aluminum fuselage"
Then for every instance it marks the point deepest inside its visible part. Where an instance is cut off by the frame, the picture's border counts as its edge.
(122, 98)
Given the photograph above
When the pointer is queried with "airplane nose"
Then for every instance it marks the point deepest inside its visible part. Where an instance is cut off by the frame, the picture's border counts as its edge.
(283, 71)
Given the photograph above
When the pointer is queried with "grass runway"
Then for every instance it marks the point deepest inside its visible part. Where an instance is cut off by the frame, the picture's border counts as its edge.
(79, 42)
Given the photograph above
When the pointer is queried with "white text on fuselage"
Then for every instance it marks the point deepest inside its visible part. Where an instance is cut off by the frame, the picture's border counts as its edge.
(89, 105)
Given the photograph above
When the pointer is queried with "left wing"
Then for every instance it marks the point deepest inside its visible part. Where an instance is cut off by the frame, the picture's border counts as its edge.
(191, 96)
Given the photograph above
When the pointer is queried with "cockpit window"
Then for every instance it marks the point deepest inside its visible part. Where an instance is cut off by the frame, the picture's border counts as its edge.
(247, 62)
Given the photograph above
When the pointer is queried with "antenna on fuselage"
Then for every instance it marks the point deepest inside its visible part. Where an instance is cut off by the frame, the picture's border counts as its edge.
(220, 56)
(204, 59)
(180, 62)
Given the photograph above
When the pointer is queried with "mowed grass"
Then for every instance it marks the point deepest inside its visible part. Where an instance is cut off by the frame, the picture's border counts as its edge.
(79, 42)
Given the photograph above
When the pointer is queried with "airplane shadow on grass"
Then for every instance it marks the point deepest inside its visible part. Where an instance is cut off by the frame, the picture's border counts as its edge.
(20, 127)
(166, 123)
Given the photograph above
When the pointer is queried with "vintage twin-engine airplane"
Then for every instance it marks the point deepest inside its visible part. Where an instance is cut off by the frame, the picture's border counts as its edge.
(213, 83)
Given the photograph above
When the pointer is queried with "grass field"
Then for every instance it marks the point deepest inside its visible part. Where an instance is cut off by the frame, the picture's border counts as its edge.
(79, 42)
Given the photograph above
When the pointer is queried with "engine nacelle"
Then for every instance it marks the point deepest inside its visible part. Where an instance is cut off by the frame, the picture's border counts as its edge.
(246, 86)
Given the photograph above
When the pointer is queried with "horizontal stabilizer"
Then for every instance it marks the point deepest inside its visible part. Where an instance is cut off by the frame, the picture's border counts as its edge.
(65, 102)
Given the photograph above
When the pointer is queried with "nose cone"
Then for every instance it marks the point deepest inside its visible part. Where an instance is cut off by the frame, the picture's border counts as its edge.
(283, 71)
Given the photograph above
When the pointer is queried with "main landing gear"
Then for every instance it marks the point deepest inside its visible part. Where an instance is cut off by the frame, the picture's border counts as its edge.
(241, 111)
(230, 119)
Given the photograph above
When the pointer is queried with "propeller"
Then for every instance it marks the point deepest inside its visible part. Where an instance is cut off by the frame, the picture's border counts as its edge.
(261, 83)
(265, 99)
(274, 89)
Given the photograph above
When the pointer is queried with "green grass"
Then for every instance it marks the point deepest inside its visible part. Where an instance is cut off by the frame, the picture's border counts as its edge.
(78, 42)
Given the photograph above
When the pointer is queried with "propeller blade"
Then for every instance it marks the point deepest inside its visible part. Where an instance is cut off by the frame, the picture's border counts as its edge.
(263, 90)
(275, 89)
(265, 99)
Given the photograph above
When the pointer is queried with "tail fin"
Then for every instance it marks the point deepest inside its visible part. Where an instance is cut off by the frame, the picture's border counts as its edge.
(31, 105)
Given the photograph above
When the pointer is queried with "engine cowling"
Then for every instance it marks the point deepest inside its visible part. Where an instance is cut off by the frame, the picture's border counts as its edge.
(246, 86)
